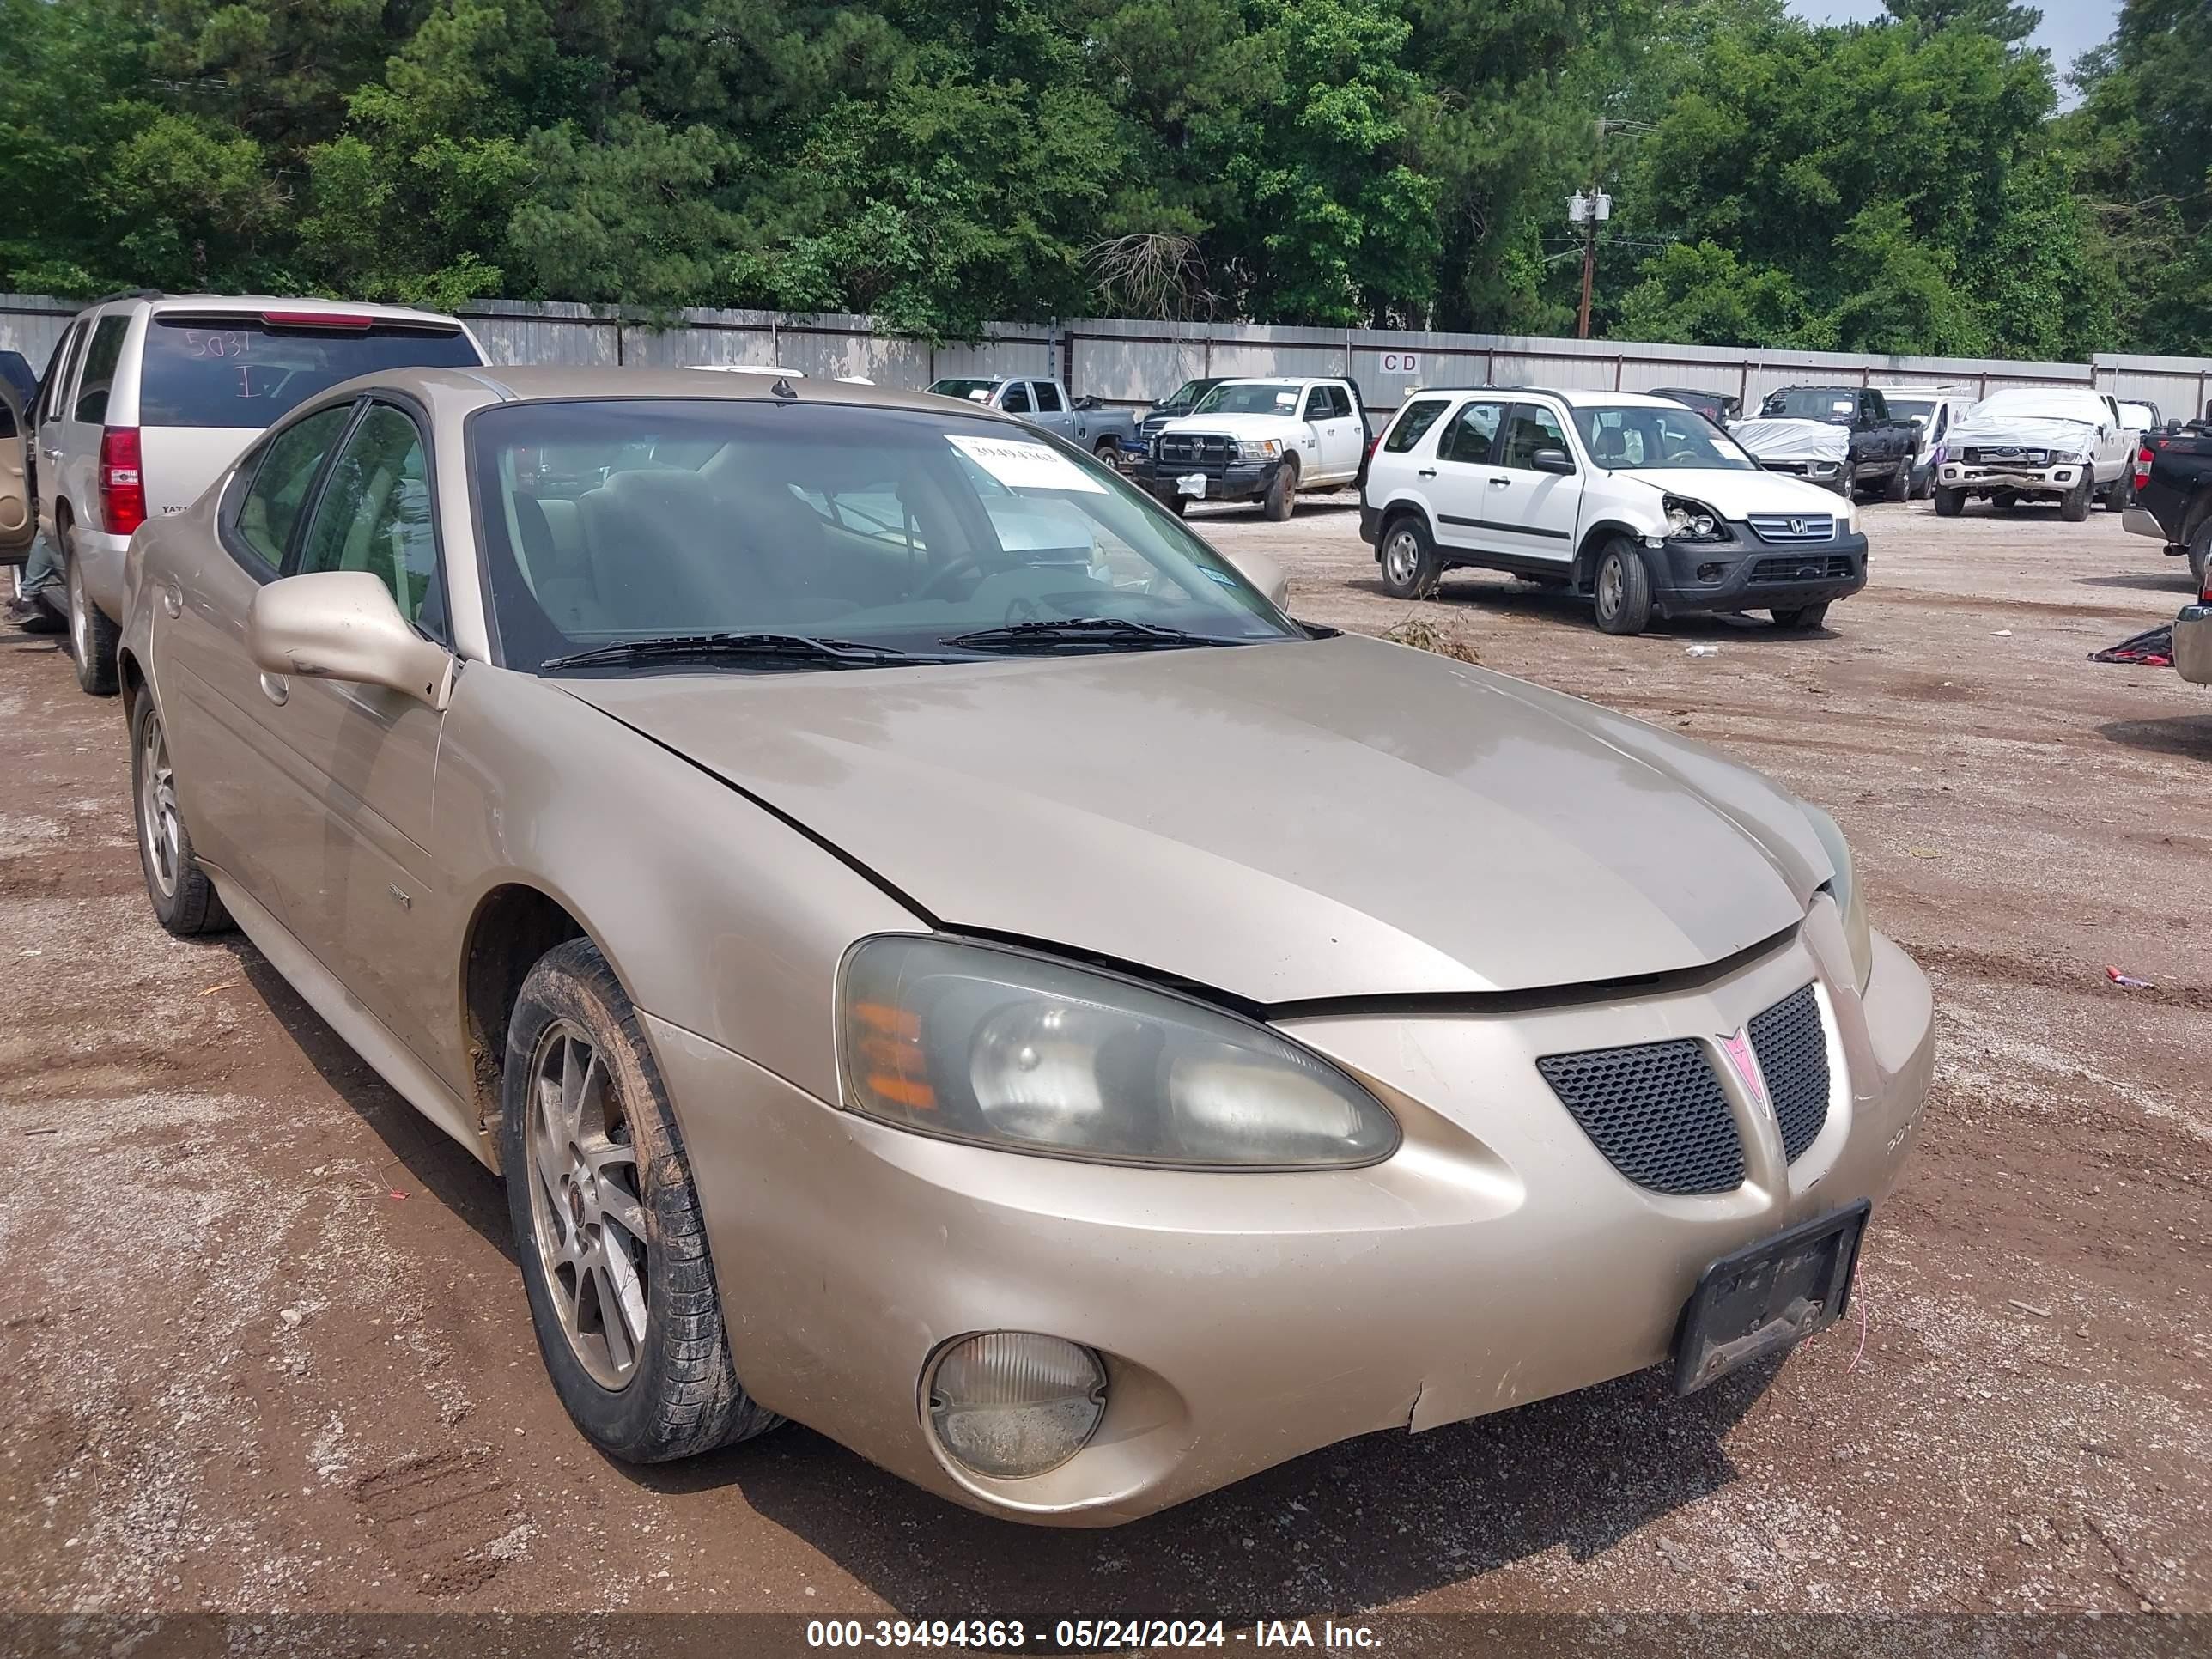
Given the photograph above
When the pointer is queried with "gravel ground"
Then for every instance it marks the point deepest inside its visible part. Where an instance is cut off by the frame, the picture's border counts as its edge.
(263, 1346)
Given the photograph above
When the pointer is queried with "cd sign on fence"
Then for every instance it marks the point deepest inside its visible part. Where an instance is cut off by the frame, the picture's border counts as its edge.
(1401, 363)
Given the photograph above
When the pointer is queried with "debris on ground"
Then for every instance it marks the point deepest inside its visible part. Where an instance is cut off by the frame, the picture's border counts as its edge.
(1702, 651)
(1422, 634)
(2152, 649)
(2128, 982)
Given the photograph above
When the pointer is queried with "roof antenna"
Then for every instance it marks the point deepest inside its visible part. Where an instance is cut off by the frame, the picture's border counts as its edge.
(782, 388)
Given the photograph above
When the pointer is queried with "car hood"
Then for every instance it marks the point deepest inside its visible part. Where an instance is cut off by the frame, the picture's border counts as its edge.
(1282, 823)
(1735, 494)
(1237, 426)
(2031, 431)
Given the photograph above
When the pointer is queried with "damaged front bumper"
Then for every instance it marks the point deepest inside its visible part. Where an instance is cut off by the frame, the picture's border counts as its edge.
(1986, 478)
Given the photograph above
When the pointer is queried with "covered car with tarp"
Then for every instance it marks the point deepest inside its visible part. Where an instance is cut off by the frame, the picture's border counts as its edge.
(1815, 450)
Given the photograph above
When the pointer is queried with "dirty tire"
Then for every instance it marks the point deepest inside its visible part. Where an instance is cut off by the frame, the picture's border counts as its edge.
(1283, 493)
(683, 1397)
(1411, 569)
(1804, 617)
(2075, 506)
(2200, 553)
(92, 636)
(184, 899)
(1623, 587)
(2123, 492)
(1899, 487)
(1109, 451)
(1950, 503)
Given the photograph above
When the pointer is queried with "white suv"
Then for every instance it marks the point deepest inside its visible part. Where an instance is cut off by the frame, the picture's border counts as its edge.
(148, 396)
(1639, 503)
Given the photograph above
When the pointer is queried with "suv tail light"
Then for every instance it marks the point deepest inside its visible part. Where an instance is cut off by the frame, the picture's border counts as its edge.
(2143, 466)
(122, 484)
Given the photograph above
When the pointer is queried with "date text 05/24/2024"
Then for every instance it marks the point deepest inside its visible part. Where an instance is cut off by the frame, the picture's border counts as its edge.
(1087, 1635)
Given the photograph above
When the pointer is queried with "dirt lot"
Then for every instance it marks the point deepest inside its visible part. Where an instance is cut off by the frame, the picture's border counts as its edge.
(262, 1346)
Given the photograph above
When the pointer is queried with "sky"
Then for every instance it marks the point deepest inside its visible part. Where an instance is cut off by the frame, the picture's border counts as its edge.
(2070, 26)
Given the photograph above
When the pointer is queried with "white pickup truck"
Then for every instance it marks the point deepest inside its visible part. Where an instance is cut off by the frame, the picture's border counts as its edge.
(1263, 441)
(1109, 434)
(2067, 444)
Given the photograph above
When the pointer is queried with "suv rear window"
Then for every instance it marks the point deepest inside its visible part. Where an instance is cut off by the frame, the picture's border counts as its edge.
(237, 371)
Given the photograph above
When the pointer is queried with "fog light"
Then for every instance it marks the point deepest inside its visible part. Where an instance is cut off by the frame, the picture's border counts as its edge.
(1709, 572)
(1010, 1403)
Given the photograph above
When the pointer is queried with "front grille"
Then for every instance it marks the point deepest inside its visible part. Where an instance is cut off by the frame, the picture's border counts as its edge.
(1988, 456)
(1793, 1057)
(1656, 1111)
(1195, 449)
(1794, 526)
(1776, 573)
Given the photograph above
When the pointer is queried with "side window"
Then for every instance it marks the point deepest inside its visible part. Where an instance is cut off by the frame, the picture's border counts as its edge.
(99, 377)
(374, 516)
(1533, 427)
(1471, 431)
(1318, 407)
(1340, 402)
(1016, 400)
(57, 373)
(1048, 397)
(281, 478)
(1877, 406)
(1413, 420)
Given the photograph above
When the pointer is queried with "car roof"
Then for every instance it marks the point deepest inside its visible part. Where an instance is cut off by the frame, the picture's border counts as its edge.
(501, 383)
(1572, 397)
(202, 305)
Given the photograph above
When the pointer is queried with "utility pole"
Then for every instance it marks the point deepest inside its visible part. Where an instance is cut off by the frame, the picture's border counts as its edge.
(1598, 210)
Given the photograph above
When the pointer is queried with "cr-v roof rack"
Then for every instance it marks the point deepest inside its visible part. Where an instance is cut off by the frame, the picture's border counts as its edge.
(130, 293)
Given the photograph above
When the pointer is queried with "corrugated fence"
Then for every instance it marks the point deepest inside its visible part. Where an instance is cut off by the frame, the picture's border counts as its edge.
(1130, 363)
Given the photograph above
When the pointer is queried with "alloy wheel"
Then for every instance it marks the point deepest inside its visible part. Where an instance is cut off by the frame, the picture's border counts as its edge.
(160, 829)
(1609, 585)
(79, 610)
(1402, 559)
(587, 1216)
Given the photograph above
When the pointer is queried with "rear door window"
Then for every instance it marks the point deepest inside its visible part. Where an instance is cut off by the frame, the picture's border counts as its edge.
(1534, 429)
(1470, 434)
(57, 373)
(237, 370)
(1048, 397)
(99, 377)
(271, 504)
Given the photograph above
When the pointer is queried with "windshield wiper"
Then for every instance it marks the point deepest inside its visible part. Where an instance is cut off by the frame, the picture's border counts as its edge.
(1047, 633)
(760, 648)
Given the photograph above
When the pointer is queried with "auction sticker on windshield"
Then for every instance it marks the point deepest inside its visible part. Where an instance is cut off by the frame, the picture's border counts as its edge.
(1020, 465)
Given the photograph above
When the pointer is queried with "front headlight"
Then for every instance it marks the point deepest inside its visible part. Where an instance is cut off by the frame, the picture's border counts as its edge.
(1691, 522)
(974, 1043)
(1258, 449)
(1845, 887)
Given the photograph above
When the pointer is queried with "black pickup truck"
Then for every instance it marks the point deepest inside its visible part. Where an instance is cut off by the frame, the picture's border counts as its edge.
(2174, 492)
(1882, 445)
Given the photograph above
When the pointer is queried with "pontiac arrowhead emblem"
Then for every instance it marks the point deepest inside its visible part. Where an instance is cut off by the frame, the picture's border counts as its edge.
(1743, 1060)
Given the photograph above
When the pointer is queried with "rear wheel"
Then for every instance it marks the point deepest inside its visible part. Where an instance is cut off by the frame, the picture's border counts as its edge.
(1950, 503)
(1804, 617)
(1623, 589)
(1108, 450)
(184, 899)
(92, 636)
(1900, 484)
(2200, 554)
(607, 1224)
(1411, 569)
(2075, 506)
(2122, 493)
(1282, 490)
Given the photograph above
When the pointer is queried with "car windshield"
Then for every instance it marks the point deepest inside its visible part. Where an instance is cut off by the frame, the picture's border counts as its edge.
(1249, 398)
(895, 530)
(1911, 408)
(1805, 403)
(235, 370)
(961, 389)
(1625, 436)
(1185, 395)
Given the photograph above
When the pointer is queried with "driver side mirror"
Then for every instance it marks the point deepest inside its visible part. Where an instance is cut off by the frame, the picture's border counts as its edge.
(1552, 461)
(343, 625)
(1264, 573)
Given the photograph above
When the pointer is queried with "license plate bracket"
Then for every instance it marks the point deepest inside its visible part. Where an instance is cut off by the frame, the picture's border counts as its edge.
(1768, 1296)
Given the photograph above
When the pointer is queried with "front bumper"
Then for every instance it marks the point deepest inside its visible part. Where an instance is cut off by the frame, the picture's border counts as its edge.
(2192, 643)
(1238, 481)
(1983, 478)
(1248, 1319)
(1747, 574)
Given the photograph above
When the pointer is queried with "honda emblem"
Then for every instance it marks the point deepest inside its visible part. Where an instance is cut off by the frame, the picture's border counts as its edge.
(1797, 527)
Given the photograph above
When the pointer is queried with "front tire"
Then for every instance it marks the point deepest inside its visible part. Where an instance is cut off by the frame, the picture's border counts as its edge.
(1950, 503)
(92, 636)
(184, 899)
(1282, 491)
(1411, 569)
(1900, 485)
(1108, 450)
(2123, 492)
(2200, 554)
(1802, 618)
(2075, 508)
(607, 1224)
(1623, 589)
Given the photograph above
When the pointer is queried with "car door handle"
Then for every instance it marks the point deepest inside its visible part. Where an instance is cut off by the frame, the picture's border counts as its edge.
(1501, 484)
(1426, 472)
(275, 688)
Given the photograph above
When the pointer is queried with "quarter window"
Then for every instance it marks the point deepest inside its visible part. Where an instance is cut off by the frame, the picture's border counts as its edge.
(374, 516)
(280, 481)
(1471, 433)
(99, 377)
(1413, 420)
(57, 372)
(1048, 397)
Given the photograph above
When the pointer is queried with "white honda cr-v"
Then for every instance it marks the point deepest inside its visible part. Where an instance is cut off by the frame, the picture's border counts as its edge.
(1637, 502)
